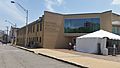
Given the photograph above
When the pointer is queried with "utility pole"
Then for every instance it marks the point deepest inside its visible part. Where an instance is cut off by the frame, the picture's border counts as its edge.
(26, 20)
(7, 35)
(13, 32)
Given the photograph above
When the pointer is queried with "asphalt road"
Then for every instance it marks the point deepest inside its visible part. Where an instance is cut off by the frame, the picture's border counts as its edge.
(11, 57)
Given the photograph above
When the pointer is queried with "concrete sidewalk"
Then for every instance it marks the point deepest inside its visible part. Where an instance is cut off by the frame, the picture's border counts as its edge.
(76, 59)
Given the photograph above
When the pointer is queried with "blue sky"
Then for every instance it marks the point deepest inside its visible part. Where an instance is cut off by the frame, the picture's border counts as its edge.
(14, 14)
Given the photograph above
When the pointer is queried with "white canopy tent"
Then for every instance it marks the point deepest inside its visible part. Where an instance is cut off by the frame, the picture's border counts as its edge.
(116, 23)
(101, 34)
(89, 42)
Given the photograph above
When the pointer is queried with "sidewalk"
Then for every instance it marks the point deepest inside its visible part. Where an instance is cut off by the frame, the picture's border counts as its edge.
(76, 59)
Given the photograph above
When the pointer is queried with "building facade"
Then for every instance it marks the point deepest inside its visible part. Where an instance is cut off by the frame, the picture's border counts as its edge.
(13, 35)
(54, 30)
(1, 35)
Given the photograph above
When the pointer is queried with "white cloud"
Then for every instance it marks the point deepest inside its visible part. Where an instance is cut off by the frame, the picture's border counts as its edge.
(116, 2)
(60, 1)
(51, 3)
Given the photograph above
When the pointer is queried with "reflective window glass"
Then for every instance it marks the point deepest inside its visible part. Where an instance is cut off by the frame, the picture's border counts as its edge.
(84, 25)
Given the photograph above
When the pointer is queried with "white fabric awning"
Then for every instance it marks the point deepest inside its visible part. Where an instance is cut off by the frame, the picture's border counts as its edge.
(116, 23)
(101, 34)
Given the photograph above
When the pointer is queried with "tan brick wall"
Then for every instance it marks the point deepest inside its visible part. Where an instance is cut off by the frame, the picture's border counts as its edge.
(53, 31)
(115, 17)
(106, 21)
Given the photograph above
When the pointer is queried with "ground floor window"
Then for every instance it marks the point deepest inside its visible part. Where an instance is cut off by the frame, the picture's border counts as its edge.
(40, 39)
(116, 30)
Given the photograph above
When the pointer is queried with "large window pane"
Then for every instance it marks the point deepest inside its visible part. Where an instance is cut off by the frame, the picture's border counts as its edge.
(84, 25)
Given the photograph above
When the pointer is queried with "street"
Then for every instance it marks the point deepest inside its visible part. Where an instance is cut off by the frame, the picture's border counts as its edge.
(11, 57)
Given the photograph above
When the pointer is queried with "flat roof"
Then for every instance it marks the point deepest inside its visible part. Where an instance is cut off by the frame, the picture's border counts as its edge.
(81, 13)
(116, 14)
(78, 13)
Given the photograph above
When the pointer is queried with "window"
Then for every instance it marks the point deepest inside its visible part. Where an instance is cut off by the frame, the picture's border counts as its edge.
(84, 25)
(40, 39)
(116, 29)
(33, 28)
(27, 40)
(37, 27)
(37, 39)
(40, 26)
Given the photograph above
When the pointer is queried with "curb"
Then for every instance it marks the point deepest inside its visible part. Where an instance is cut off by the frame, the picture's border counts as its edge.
(63, 61)
(53, 58)
(24, 49)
